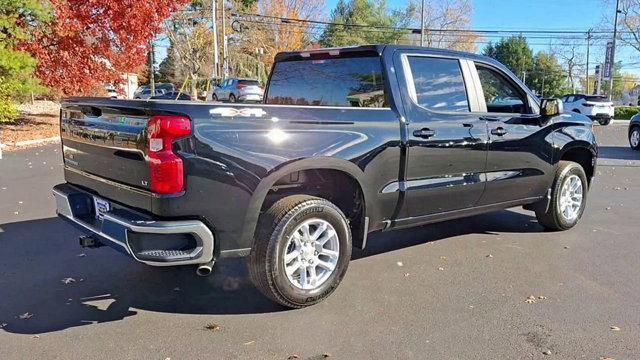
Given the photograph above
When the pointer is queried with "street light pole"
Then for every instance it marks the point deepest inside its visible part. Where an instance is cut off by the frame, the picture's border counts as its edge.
(422, 25)
(613, 50)
(214, 72)
(589, 37)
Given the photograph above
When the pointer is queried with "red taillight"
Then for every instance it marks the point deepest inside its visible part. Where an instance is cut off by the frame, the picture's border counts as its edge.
(241, 86)
(166, 175)
(587, 104)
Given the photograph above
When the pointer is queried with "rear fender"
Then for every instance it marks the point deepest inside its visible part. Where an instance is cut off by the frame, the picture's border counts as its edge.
(260, 193)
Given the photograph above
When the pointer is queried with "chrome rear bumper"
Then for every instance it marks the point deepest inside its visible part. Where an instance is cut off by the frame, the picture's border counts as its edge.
(120, 227)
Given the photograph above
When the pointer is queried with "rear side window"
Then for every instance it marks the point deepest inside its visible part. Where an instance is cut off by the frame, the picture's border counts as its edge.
(439, 84)
(350, 82)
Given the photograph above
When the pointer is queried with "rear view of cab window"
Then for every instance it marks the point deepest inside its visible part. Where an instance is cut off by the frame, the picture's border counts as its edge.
(438, 83)
(346, 82)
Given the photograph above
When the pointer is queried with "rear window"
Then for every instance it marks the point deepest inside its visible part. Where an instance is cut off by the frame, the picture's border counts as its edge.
(596, 98)
(350, 82)
(249, 82)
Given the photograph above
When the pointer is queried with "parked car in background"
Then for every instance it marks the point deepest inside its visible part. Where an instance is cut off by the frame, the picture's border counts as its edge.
(238, 90)
(144, 92)
(172, 95)
(634, 132)
(596, 107)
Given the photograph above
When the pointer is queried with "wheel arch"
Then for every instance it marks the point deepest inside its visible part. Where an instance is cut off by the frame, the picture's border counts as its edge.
(345, 168)
(583, 153)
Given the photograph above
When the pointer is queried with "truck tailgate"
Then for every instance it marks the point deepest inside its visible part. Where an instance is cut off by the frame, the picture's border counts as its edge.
(106, 142)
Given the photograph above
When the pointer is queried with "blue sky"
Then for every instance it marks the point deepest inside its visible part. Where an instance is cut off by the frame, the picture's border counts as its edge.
(540, 15)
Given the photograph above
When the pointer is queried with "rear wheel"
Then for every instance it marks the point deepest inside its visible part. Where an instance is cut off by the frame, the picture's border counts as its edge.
(604, 122)
(634, 138)
(214, 97)
(301, 252)
(568, 198)
(232, 98)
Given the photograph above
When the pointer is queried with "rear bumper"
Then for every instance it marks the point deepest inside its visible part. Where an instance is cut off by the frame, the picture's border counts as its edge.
(600, 117)
(150, 241)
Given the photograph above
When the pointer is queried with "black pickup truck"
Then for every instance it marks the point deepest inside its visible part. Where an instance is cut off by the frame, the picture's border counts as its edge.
(348, 141)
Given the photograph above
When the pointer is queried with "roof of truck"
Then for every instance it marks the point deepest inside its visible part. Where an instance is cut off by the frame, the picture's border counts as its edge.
(377, 49)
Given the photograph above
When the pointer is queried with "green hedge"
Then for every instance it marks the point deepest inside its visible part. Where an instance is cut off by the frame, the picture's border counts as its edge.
(625, 112)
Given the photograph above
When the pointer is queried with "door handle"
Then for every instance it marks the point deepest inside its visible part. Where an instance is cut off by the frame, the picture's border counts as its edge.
(424, 133)
(499, 131)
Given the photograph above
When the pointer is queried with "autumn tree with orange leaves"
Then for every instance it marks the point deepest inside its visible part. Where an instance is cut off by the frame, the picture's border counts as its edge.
(92, 42)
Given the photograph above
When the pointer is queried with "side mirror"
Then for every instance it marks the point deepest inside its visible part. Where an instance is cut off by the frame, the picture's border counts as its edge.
(551, 107)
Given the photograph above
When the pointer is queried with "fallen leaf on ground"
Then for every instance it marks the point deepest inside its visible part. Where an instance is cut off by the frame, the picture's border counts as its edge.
(326, 355)
(547, 352)
(26, 316)
(36, 336)
(531, 299)
(566, 247)
(542, 297)
(406, 274)
(489, 256)
(292, 357)
(441, 268)
(249, 343)
(213, 327)
(400, 263)
(614, 328)
(68, 280)
(606, 358)
(443, 258)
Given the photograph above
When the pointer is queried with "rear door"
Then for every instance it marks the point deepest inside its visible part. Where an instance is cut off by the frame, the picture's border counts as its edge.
(447, 144)
(520, 146)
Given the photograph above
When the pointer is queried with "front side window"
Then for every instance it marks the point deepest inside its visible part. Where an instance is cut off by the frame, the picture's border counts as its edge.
(500, 95)
(348, 82)
(439, 84)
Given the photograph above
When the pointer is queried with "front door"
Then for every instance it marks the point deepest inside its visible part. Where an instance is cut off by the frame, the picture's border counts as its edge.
(519, 161)
(447, 142)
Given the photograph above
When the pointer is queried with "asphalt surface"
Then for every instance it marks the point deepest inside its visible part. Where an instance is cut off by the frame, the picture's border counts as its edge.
(454, 290)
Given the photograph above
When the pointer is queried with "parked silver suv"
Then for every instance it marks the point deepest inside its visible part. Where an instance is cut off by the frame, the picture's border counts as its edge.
(237, 89)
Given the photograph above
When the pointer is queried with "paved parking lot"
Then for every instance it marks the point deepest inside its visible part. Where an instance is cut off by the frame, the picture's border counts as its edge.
(454, 290)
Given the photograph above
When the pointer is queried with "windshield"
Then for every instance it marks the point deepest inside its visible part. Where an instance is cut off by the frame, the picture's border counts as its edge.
(350, 82)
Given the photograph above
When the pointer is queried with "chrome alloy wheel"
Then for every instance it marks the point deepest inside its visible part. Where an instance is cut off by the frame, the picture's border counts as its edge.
(311, 254)
(571, 197)
(634, 139)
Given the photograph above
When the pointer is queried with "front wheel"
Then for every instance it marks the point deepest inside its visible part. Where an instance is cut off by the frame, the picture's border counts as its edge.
(634, 138)
(232, 98)
(301, 251)
(568, 198)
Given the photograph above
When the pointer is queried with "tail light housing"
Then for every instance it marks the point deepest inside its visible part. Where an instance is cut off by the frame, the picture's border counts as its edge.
(587, 104)
(166, 172)
(241, 86)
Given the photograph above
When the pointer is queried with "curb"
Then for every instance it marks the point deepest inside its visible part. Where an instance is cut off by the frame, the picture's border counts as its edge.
(36, 141)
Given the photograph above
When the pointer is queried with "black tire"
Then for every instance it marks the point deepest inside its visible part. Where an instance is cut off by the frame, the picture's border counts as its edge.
(552, 219)
(635, 129)
(214, 97)
(604, 122)
(232, 98)
(276, 225)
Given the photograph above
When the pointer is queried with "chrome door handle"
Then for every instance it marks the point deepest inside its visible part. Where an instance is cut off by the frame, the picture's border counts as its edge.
(424, 133)
(499, 131)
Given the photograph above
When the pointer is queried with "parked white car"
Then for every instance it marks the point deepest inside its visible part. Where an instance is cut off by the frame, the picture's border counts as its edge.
(596, 107)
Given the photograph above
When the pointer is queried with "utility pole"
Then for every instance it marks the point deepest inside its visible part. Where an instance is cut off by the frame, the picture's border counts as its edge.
(613, 50)
(589, 37)
(422, 25)
(152, 80)
(214, 72)
(225, 65)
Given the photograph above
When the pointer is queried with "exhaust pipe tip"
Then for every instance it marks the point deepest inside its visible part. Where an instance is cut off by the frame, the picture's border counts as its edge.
(205, 269)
